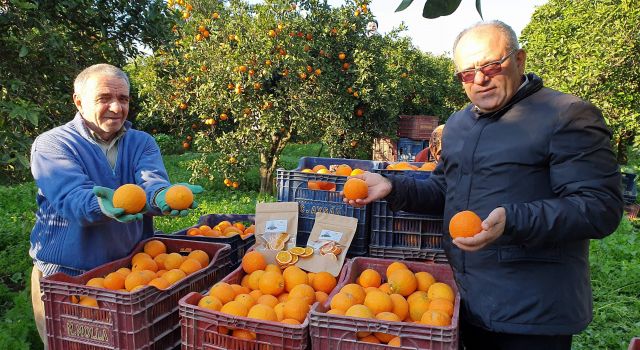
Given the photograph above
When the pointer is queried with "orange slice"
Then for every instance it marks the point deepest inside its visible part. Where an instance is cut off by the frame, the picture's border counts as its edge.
(336, 250)
(284, 257)
(294, 259)
(297, 251)
(308, 251)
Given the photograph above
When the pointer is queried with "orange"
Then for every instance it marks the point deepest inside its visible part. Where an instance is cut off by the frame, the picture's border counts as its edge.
(159, 283)
(356, 171)
(283, 297)
(418, 306)
(465, 224)
(318, 167)
(254, 279)
(324, 282)
(335, 312)
(139, 256)
(179, 197)
(342, 301)
(238, 289)
(310, 277)
(396, 265)
(210, 302)
(385, 288)
(425, 280)
(223, 291)
(96, 282)
(159, 259)
(294, 276)
(273, 268)
(243, 334)
(256, 294)
(441, 290)
(239, 226)
(253, 261)
(88, 301)
(323, 171)
(130, 197)
(246, 299)
(201, 256)
(296, 308)
(145, 264)
(305, 292)
(428, 166)
(262, 312)
(370, 278)
(279, 309)
(154, 248)
(360, 311)
(159, 273)
(271, 283)
(268, 300)
(124, 271)
(443, 305)
(135, 279)
(400, 306)
(356, 291)
(321, 297)
(231, 231)
(386, 316)
(114, 281)
(290, 321)
(355, 188)
(173, 261)
(235, 308)
(435, 318)
(395, 342)
(403, 282)
(343, 170)
(190, 266)
(174, 275)
(370, 339)
(378, 301)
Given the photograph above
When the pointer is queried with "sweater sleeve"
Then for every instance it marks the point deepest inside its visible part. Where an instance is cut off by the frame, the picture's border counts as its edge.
(151, 174)
(584, 175)
(62, 180)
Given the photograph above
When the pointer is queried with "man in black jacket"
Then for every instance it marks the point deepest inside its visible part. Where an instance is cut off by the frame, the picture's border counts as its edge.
(537, 166)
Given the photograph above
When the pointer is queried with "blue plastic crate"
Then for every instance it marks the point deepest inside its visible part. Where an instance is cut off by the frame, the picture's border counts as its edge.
(238, 245)
(310, 162)
(629, 189)
(418, 174)
(408, 148)
(292, 187)
(403, 234)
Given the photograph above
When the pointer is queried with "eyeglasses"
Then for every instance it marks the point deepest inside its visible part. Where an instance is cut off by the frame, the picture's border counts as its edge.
(490, 69)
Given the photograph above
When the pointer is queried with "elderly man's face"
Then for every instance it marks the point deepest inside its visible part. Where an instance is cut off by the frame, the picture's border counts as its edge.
(372, 27)
(479, 47)
(104, 104)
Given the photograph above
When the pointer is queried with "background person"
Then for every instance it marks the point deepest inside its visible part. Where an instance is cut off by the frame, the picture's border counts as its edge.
(76, 166)
(536, 164)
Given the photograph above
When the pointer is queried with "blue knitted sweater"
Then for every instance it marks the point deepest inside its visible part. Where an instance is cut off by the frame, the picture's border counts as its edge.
(71, 234)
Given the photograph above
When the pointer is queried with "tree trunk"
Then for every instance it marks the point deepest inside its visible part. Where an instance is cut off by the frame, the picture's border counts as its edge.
(269, 161)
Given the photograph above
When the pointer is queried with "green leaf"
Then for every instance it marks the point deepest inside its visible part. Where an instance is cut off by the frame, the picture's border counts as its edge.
(32, 116)
(403, 5)
(436, 8)
(479, 8)
(23, 51)
(23, 160)
(24, 5)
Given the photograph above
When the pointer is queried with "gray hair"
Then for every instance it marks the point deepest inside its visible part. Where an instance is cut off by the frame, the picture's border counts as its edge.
(97, 69)
(505, 29)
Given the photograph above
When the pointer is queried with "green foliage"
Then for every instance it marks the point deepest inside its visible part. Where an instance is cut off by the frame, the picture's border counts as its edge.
(243, 80)
(591, 49)
(44, 44)
(437, 8)
(168, 144)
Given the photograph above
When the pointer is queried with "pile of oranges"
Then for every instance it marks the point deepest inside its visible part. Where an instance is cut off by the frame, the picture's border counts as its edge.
(268, 293)
(404, 297)
(426, 166)
(154, 266)
(223, 229)
(340, 170)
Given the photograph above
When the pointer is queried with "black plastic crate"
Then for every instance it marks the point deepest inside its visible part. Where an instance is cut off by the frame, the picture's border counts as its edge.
(238, 245)
(310, 162)
(409, 148)
(629, 188)
(292, 187)
(405, 235)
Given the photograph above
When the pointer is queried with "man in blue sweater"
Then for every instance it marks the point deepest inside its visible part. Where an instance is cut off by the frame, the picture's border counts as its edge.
(537, 166)
(76, 167)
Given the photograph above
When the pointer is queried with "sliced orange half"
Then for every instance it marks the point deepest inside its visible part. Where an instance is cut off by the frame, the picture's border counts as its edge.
(308, 251)
(297, 251)
(284, 257)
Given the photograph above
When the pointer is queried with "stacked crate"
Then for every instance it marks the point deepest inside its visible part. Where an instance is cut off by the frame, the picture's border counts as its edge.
(404, 235)
(414, 132)
(293, 187)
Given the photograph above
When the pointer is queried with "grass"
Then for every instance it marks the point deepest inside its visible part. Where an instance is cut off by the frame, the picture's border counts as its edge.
(615, 260)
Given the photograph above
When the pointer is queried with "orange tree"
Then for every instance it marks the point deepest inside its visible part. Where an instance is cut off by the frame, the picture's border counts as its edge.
(243, 80)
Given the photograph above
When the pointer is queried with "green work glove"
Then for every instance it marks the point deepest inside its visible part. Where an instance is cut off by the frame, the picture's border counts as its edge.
(105, 200)
(167, 210)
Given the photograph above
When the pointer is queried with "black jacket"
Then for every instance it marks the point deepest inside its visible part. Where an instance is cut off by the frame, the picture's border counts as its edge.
(546, 158)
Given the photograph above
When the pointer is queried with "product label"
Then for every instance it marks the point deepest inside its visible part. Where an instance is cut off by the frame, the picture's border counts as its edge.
(328, 235)
(275, 226)
(87, 331)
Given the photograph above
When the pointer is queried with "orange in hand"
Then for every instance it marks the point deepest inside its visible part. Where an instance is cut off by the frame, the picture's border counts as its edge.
(356, 188)
(129, 197)
(465, 224)
(179, 197)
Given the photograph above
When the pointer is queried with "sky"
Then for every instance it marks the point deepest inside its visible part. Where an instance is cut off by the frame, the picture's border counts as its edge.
(437, 35)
